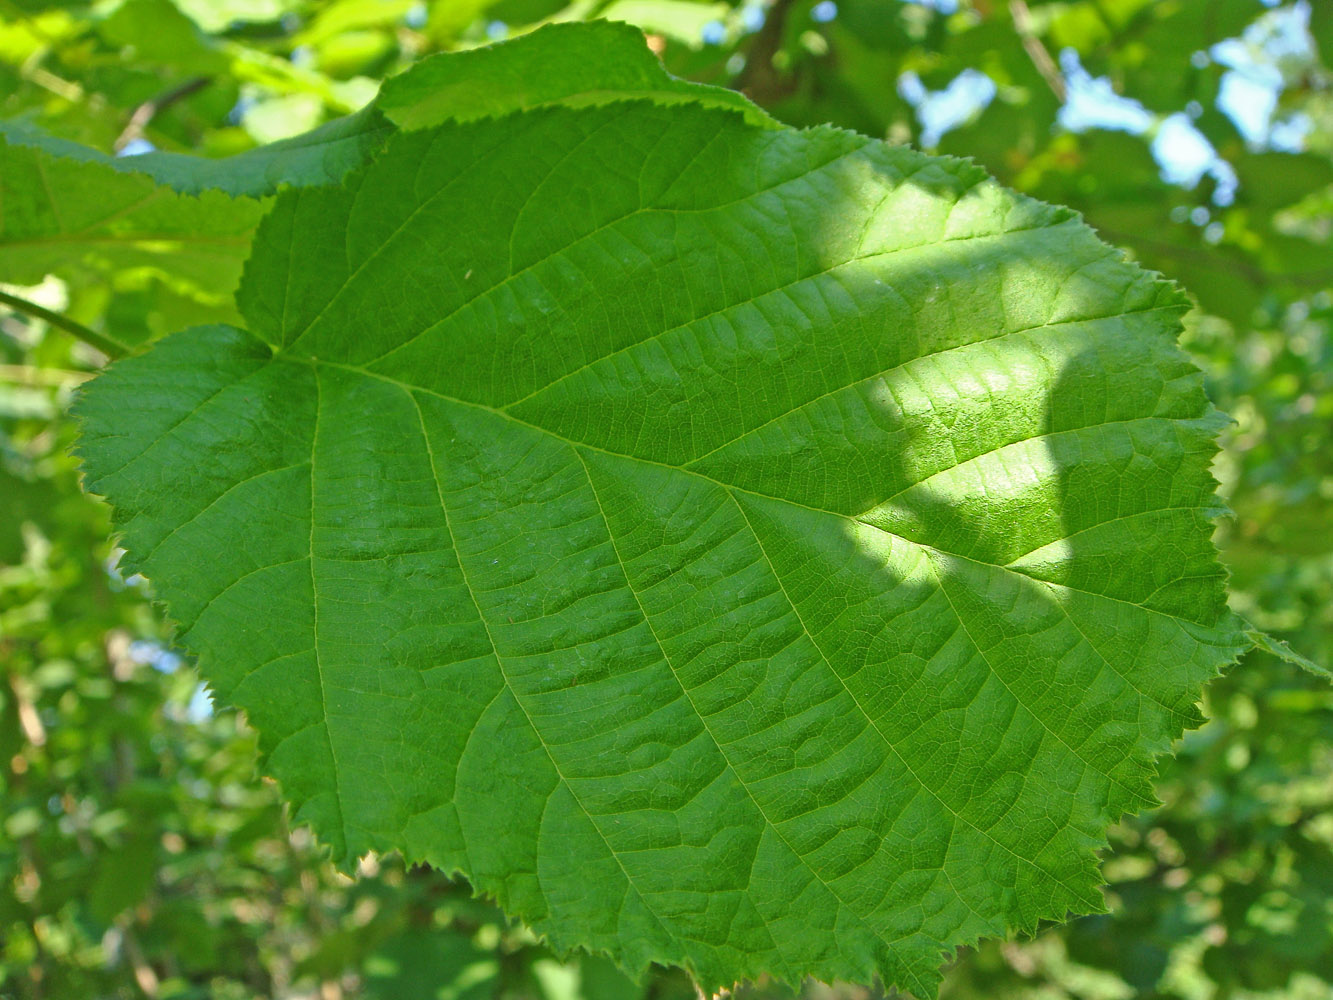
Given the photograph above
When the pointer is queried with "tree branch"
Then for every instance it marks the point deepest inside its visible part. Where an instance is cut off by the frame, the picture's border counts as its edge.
(759, 80)
(145, 112)
(111, 348)
(1036, 51)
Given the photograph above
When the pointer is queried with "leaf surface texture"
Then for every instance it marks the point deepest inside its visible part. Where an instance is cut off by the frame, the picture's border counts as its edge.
(748, 549)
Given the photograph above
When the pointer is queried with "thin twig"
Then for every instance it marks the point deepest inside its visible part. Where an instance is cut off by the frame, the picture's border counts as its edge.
(111, 348)
(145, 112)
(1036, 51)
(29, 721)
(119, 667)
(144, 975)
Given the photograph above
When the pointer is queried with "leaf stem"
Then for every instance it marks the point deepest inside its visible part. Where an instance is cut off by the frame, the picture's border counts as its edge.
(111, 348)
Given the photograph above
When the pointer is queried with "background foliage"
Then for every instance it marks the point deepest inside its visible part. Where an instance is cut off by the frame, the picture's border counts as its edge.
(141, 856)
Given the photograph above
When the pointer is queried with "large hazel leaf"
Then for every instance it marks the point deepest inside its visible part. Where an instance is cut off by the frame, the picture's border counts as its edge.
(755, 550)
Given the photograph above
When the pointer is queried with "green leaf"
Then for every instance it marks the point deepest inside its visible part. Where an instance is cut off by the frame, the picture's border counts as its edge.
(681, 20)
(1321, 29)
(72, 216)
(1270, 181)
(21, 497)
(350, 15)
(216, 16)
(580, 65)
(155, 31)
(750, 550)
(1284, 652)
(422, 962)
(1152, 58)
(324, 155)
(510, 12)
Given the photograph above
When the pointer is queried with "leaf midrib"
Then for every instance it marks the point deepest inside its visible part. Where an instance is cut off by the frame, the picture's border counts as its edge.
(731, 487)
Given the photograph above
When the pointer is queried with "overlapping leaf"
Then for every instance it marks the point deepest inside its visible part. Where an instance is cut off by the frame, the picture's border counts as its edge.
(581, 65)
(94, 218)
(569, 64)
(324, 155)
(754, 550)
(66, 216)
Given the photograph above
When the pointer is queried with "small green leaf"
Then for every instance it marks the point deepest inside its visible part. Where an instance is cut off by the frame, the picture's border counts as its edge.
(324, 155)
(683, 21)
(1283, 651)
(422, 962)
(156, 31)
(69, 214)
(577, 65)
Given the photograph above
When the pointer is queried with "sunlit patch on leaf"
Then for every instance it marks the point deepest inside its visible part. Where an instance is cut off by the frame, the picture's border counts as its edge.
(747, 549)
